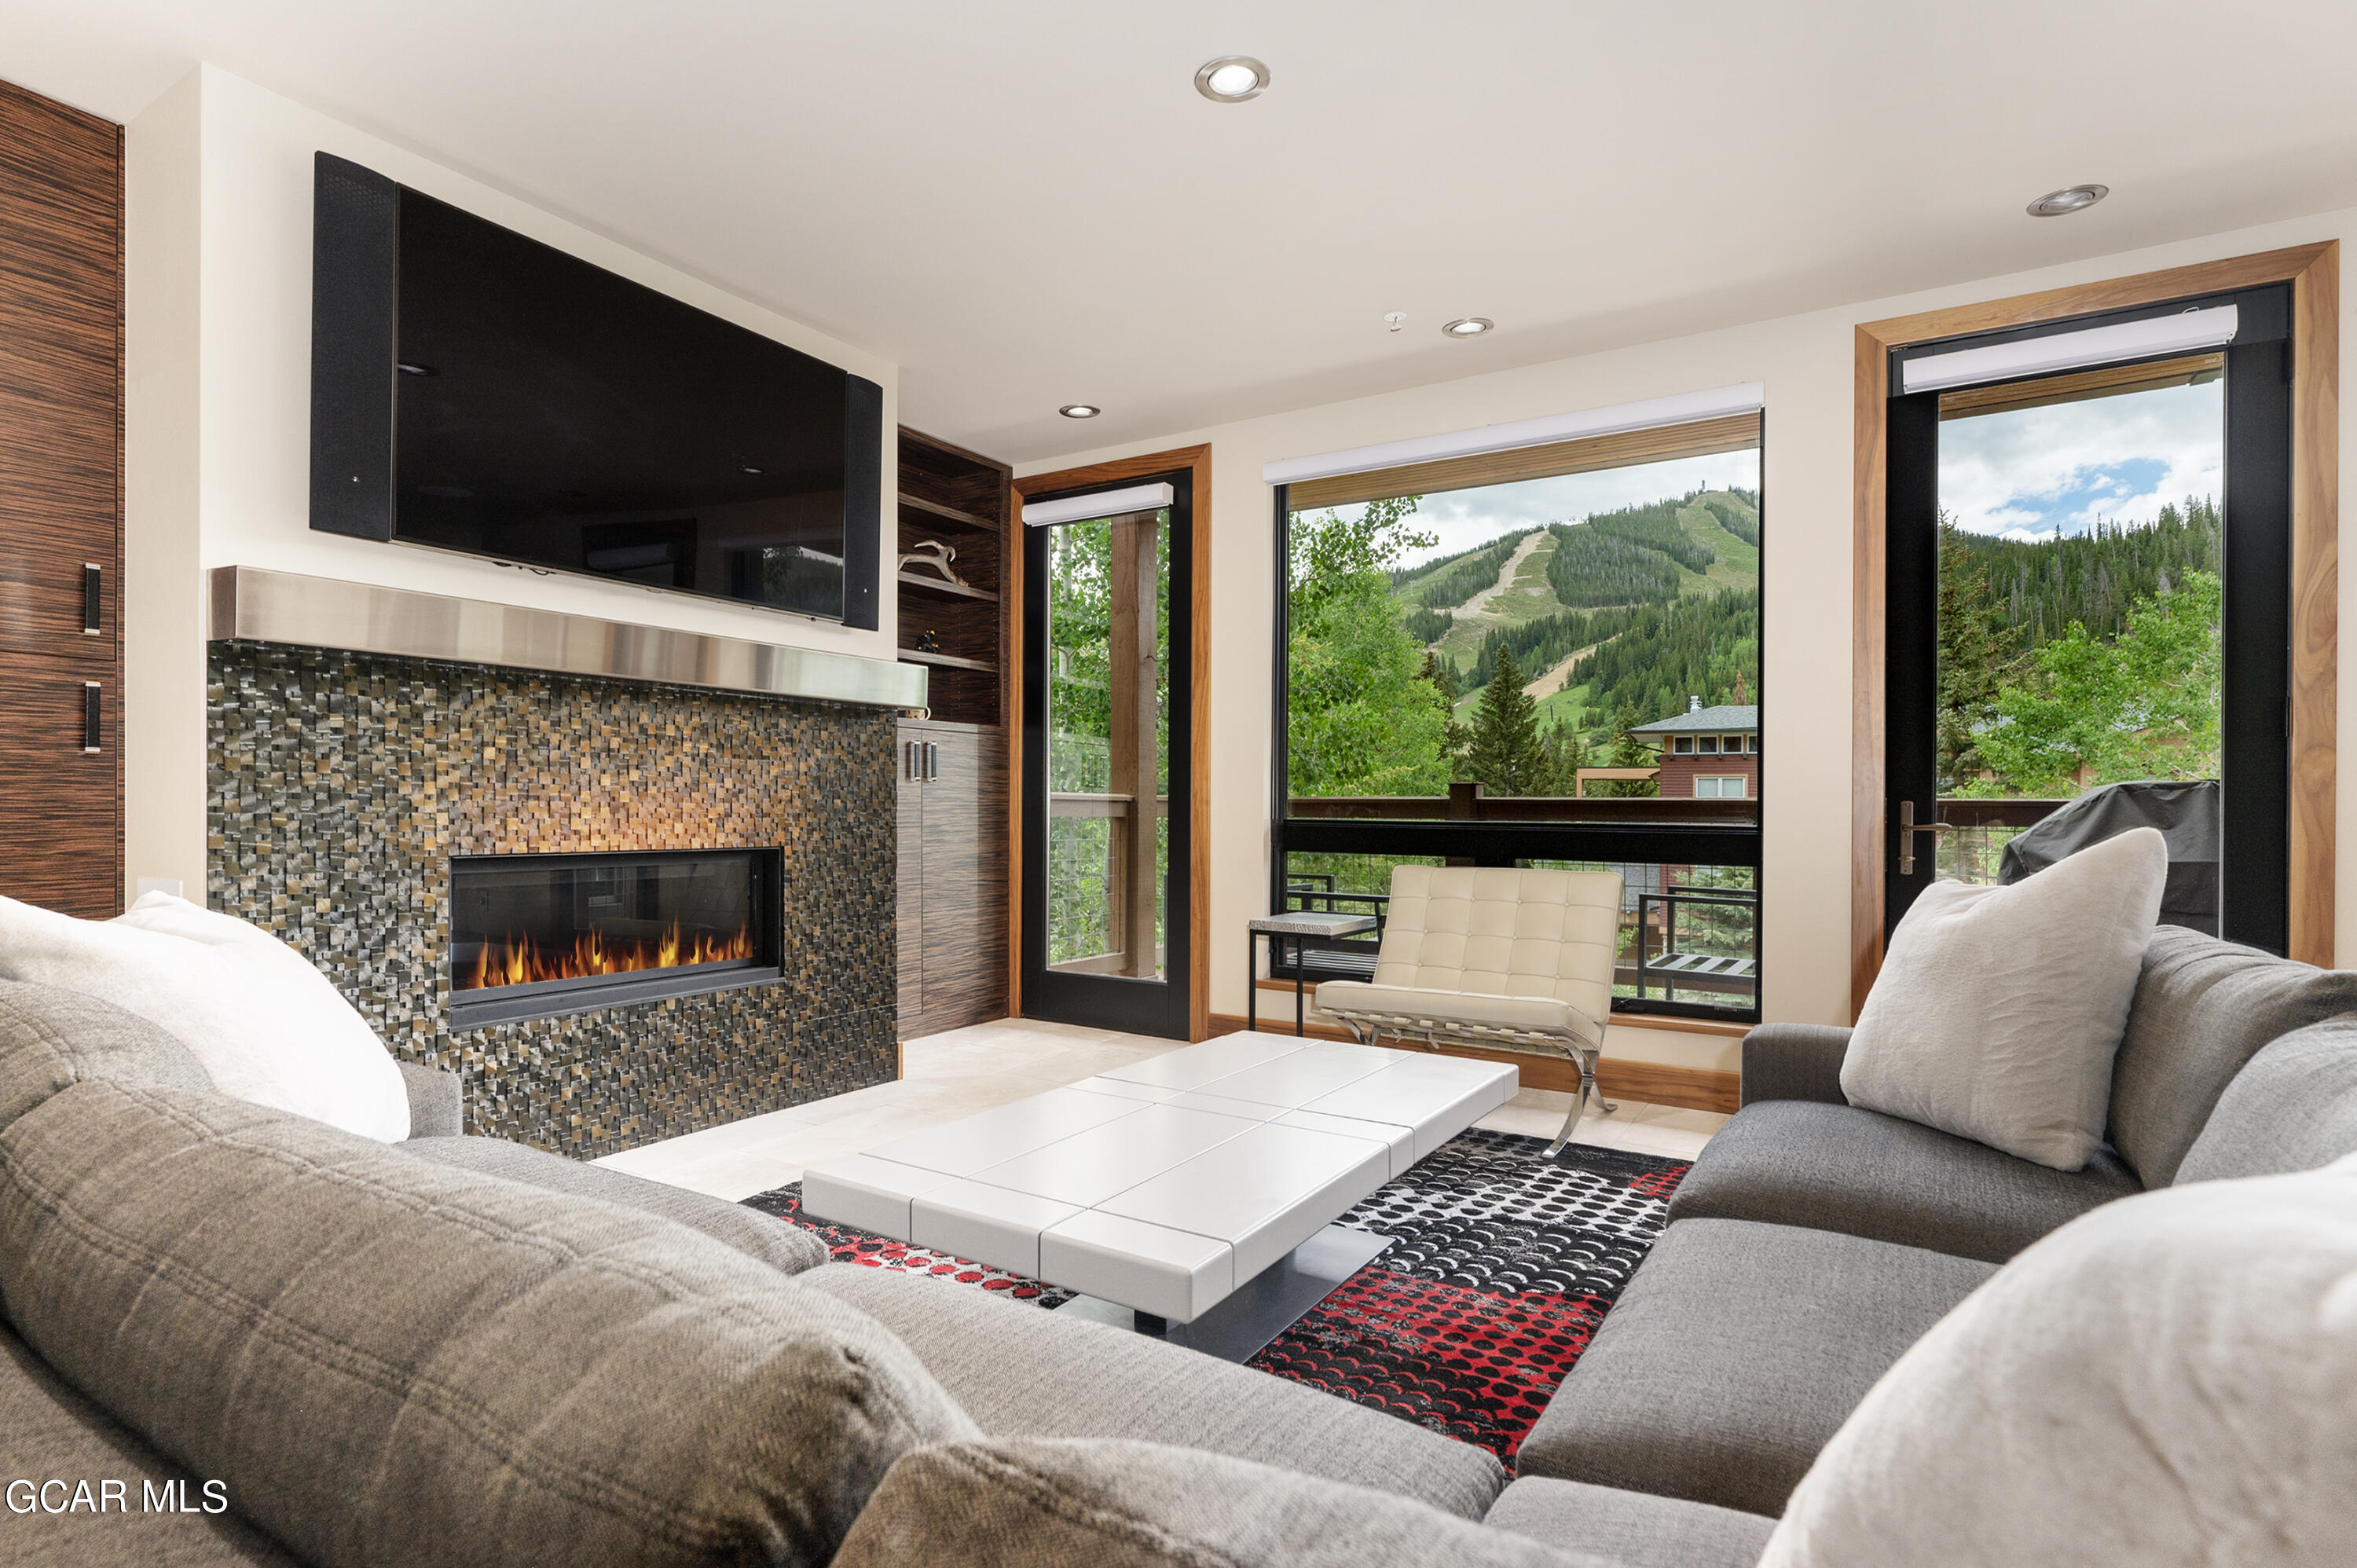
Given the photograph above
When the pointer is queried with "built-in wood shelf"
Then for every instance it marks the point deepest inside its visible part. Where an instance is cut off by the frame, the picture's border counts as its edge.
(947, 590)
(934, 510)
(947, 660)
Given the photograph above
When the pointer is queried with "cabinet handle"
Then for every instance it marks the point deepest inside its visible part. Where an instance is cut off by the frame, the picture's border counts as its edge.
(90, 713)
(93, 599)
(932, 761)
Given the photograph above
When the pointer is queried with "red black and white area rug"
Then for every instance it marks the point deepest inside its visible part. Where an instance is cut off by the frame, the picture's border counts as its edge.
(1502, 1264)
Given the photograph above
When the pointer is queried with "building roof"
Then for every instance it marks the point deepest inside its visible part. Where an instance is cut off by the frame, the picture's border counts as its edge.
(1725, 719)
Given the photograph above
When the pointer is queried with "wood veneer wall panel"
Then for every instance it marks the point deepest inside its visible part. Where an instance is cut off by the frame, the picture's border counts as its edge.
(61, 500)
(60, 807)
(964, 913)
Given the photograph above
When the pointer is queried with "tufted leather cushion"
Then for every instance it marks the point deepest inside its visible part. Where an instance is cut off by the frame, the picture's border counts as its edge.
(1501, 933)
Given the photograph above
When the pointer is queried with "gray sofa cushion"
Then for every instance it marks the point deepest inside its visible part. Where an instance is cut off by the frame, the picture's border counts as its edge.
(438, 1106)
(48, 1432)
(1733, 1355)
(2294, 1107)
(1635, 1528)
(751, 1232)
(389, 1362)
(1795, 1061)
(1840, 1167)
(51, 1038)
(1050, 1504)
(2203, 1007)
(1024, 1373)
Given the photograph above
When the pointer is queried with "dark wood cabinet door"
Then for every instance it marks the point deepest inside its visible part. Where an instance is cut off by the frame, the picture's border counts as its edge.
(61, 812)
(61, 370)
(909, 915)
(965, 878)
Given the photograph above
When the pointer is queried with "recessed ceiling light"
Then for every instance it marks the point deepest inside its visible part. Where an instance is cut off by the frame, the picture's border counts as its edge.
(1469, 326)
(1079, 410)
(1232, 79)
(2073, 198)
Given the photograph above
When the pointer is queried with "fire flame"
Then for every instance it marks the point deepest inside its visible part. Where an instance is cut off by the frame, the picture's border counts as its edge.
(520, 961)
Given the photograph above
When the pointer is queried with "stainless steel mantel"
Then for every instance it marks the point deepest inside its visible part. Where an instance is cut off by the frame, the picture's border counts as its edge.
(250, 605)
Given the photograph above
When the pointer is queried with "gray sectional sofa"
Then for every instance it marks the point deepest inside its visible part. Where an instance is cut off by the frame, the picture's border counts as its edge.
(1814, 1242)
(331, 1351)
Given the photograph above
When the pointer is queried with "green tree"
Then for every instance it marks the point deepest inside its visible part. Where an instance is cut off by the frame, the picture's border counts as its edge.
(1977, 659)
(2143, 707)
(1363, 720)
(1507, 755)
(1567, 752)
(1628, 751)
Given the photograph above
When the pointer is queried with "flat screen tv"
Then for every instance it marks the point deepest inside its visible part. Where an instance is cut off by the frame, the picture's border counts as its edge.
(477, 390)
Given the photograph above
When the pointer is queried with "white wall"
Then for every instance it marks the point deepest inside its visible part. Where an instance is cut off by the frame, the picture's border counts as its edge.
(163, 637)
(219, 289)
(1806, 364)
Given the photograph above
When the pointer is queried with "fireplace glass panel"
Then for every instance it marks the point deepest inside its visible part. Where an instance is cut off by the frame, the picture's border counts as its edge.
(559, 922)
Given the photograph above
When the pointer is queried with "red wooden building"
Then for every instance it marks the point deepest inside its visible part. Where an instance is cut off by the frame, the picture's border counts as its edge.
(1711, 754)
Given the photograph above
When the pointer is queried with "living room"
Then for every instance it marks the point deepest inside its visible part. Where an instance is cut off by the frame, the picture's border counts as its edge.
(1045, 786)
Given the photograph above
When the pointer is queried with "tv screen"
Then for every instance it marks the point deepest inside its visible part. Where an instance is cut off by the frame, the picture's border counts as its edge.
(545, 412)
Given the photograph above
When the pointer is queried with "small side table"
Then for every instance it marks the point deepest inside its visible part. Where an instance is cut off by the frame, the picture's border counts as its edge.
(1315, 929)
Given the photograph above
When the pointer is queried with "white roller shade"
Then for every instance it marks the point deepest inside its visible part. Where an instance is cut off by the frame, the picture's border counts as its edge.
(1685, 408)
(2176, 334)
(1100, 503)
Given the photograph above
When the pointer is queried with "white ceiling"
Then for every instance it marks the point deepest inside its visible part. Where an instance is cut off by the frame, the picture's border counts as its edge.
(1027, 204)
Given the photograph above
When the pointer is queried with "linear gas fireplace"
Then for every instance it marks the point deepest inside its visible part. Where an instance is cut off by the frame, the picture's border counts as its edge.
(533, 936)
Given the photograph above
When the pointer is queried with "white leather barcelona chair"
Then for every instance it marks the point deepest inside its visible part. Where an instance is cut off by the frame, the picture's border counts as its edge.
(1516, 961)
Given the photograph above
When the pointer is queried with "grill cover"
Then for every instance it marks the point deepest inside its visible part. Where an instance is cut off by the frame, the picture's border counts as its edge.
(2187, 816)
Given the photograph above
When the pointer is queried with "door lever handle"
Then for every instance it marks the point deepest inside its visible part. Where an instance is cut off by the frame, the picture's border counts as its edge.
(1908, 828)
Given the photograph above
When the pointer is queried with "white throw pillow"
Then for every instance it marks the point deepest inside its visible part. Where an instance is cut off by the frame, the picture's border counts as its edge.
(267, 1027)
(2169, 1380)
(1998, 1010)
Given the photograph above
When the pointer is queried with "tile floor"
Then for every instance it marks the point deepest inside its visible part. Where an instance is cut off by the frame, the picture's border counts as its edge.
(956, 1074)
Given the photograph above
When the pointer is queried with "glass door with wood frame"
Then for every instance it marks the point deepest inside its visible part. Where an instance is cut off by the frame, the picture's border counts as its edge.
(2088, 581)
(1106, 699)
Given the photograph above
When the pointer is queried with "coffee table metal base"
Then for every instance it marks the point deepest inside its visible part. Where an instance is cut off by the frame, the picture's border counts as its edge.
(1274, 1300)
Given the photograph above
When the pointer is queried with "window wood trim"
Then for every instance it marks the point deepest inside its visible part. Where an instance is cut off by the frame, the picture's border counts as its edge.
(2314, 273)
(1627, 448)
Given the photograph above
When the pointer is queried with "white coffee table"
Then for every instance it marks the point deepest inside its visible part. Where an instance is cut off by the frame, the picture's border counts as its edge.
(1185, 1181)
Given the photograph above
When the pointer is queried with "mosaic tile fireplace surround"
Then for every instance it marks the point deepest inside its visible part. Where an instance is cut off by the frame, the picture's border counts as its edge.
(341, 785)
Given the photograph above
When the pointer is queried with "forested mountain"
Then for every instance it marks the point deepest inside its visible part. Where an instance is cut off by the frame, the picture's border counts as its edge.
(2040, 586)
(1668, 588)
(1464, 576)
(1652, 657)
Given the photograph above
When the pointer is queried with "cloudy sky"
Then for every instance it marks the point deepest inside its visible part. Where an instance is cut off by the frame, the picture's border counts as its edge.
(1463, 519)
(2025, 473)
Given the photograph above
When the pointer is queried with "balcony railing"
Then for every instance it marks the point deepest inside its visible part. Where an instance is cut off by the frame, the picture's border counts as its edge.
(1974, 851)
(1468, 802)
(1702, 940)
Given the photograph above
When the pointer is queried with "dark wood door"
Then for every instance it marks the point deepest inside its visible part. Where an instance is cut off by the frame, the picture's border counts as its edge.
(956, 966)
(60, 504)
(910, 916)
(60, 805)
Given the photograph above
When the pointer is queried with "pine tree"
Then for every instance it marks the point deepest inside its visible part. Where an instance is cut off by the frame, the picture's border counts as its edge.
(1567, 752)
(1628, 751)
(1507, 754)
(1441, 673)
(1977, 660)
